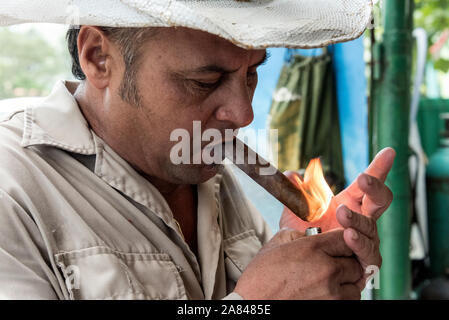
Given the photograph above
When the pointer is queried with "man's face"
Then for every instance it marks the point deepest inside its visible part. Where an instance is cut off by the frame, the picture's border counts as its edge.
(185, 76)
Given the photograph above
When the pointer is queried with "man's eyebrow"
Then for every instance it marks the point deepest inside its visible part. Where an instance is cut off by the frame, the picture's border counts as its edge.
(213, 68)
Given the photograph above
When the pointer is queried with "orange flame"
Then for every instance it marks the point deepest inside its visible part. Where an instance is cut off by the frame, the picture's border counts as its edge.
(315, 189)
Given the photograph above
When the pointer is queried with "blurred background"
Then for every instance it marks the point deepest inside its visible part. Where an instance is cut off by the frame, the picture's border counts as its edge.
(343, 104)
(32, 58)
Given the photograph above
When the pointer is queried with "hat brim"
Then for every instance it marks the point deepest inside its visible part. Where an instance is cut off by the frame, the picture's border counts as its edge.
(252, 24)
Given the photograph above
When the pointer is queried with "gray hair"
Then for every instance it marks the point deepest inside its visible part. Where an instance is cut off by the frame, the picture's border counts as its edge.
(129, 41)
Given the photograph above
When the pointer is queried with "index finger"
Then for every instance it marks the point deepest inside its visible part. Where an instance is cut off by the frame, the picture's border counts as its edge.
(381, 164)
(366, 250)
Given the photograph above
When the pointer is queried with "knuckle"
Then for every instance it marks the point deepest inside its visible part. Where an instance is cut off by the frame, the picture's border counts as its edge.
(372, 227)
(334, 270)
(326, 272)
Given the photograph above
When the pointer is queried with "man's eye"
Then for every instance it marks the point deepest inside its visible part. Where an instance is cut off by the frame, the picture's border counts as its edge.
(205, 85)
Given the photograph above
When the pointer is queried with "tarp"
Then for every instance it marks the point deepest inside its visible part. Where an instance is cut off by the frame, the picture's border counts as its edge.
(305, 113)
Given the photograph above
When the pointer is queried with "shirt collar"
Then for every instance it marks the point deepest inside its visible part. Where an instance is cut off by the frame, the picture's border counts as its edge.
(57, 121)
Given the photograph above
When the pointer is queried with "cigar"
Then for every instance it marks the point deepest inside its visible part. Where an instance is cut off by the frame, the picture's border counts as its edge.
(268, 177)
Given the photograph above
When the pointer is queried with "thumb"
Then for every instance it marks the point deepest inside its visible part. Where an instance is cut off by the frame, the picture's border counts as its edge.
(381, 164)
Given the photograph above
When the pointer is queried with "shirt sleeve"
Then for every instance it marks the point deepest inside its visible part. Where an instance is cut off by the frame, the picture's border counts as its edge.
(24, 273)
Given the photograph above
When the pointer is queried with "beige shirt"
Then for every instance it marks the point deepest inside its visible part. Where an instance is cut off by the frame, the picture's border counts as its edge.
(78, 222)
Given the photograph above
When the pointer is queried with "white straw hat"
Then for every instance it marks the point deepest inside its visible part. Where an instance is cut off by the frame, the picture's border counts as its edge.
(247, 23)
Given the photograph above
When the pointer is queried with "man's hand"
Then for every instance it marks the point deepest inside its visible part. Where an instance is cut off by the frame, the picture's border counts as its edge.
(292, 266)
(367, 195)
(360, 235)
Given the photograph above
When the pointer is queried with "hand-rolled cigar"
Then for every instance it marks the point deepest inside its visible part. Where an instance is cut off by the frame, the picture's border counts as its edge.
(268, 177)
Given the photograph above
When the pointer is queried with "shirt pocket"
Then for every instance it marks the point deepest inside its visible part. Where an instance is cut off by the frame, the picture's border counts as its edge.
(104, 273)
(240, 250)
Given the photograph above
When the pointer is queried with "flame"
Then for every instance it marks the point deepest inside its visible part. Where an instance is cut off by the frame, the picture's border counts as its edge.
(315, 189)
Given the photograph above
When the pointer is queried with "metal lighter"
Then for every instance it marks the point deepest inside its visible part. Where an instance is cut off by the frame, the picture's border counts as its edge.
(313, 231)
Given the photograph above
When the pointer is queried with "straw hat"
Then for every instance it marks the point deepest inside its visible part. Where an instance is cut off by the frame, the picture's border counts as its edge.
(247, 23)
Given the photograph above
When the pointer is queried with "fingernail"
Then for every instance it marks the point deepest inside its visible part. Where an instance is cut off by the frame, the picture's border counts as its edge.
(354, 235)
(348, 213)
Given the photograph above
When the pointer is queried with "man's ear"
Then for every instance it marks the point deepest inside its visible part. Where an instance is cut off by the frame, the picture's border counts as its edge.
(96, 55)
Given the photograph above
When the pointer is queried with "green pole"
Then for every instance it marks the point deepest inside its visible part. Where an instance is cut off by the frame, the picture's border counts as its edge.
(391, 111)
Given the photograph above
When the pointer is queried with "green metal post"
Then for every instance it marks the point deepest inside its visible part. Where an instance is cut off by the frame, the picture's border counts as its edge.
(391, 105)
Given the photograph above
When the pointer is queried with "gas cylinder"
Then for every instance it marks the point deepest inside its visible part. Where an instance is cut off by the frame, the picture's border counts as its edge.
(437, 180)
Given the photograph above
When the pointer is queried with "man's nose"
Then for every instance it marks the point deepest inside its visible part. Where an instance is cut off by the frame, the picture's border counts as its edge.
(237, 107)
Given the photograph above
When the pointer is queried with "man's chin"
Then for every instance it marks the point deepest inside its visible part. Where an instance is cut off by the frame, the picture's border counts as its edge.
(208, 171)
(196, 174)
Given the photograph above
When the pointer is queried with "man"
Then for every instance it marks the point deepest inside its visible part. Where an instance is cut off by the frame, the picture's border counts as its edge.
(93, 207)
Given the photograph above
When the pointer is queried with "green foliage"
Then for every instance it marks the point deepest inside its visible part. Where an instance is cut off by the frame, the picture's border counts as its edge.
(29, 65)
(442, 64)
(433, 16)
